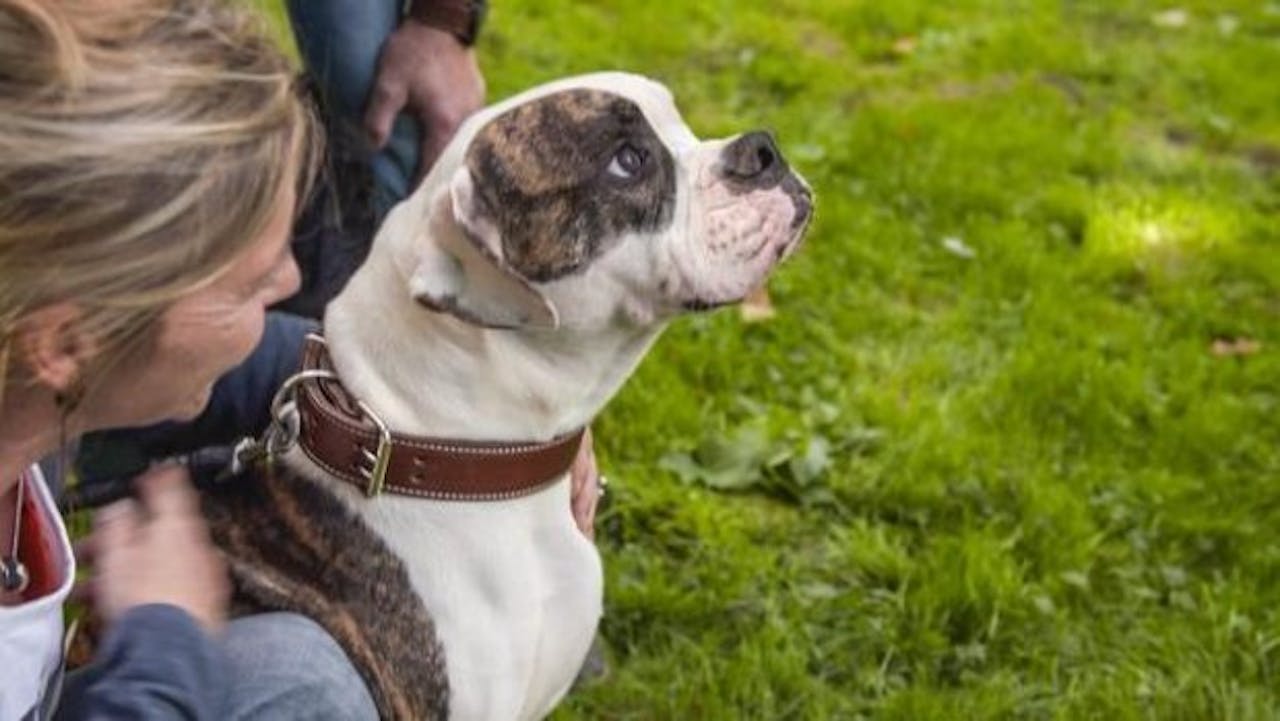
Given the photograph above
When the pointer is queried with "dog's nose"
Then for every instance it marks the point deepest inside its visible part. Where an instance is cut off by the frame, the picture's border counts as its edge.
(754, 158)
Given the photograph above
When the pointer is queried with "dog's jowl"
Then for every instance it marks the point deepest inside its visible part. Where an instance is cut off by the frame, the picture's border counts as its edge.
(423, 515)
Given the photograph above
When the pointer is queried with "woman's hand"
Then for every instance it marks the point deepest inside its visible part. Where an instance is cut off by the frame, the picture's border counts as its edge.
(157, 550)
(428, 73)
(584, 488)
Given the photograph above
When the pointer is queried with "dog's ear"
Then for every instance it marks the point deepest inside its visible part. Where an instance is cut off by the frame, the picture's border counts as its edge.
(464, 273)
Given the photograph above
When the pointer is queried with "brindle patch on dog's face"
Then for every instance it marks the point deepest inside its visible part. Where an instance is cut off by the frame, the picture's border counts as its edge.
(566, 176)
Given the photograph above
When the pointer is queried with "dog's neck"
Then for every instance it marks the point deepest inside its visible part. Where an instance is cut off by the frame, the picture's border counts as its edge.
(428, 373)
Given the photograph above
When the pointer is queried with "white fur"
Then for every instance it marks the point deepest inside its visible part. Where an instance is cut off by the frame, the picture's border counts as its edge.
(513, 586)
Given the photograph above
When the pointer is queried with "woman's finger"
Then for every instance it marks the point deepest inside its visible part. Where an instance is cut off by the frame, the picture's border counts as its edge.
(584, 464)
(116, 526)
(585, 503)
(587, 518)
(385, 102)
(167, 491)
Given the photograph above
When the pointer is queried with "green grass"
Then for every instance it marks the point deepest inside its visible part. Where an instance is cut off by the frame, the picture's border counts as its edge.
(1017, 485)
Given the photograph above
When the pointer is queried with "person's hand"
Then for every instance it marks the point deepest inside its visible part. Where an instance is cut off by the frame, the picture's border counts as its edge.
(432, 75)
(584, 487)
(157, 550)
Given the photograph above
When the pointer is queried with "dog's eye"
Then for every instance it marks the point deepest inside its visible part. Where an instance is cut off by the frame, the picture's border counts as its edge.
(628, 161)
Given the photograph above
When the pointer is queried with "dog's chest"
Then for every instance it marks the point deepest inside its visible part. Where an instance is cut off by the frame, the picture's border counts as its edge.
(514, 588)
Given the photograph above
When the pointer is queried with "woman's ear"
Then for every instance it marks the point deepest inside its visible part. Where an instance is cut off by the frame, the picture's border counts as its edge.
(51, 347)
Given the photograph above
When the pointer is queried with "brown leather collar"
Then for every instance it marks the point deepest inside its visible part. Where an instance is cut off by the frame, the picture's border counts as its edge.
(343, 437)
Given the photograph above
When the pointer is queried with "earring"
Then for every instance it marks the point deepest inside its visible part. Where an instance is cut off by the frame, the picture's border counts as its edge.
(68, 399)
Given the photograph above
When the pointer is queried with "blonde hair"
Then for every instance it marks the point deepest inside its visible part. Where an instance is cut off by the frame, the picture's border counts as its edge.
(143, 147)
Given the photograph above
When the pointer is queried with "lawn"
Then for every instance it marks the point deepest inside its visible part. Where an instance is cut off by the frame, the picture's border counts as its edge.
(1010, 448)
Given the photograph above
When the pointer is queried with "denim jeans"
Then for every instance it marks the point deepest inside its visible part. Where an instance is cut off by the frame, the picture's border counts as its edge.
(284, 666)
(340, 41)
(279, 667)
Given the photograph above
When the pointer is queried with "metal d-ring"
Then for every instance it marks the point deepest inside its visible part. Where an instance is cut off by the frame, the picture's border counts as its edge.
(283, 431)
(285, 426)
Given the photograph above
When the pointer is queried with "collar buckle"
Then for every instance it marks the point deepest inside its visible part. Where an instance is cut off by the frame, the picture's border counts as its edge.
(379, 459)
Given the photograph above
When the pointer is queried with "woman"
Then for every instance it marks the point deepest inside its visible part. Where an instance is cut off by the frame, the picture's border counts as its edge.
(152, 153)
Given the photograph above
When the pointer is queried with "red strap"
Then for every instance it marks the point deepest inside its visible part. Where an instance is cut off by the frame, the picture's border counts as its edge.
(39, 545)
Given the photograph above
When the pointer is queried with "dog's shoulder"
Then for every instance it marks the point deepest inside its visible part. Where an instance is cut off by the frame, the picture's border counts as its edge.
(291, 545)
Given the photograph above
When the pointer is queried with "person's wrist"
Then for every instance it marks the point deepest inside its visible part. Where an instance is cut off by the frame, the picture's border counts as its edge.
(460, 18)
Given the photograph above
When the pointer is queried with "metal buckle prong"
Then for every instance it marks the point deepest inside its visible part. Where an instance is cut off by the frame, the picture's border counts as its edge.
(380, 458)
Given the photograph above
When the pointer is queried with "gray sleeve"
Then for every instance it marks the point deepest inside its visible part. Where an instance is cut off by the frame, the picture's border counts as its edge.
(155, 664)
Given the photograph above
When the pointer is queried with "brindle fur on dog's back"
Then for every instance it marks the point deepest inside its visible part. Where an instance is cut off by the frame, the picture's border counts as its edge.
(292, 546)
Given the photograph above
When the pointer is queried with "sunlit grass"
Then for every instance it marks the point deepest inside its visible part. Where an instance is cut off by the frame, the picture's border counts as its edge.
(1138, 224)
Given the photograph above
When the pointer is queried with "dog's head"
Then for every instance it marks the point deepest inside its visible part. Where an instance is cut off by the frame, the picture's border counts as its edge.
(588, 202)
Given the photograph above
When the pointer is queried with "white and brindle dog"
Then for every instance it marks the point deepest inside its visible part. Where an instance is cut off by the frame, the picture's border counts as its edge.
(505, 301)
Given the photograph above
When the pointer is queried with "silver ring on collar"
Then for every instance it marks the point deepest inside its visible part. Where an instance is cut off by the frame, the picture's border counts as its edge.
(282, 434)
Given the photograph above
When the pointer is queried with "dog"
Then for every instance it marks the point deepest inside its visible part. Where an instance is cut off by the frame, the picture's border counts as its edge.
(503, 303)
